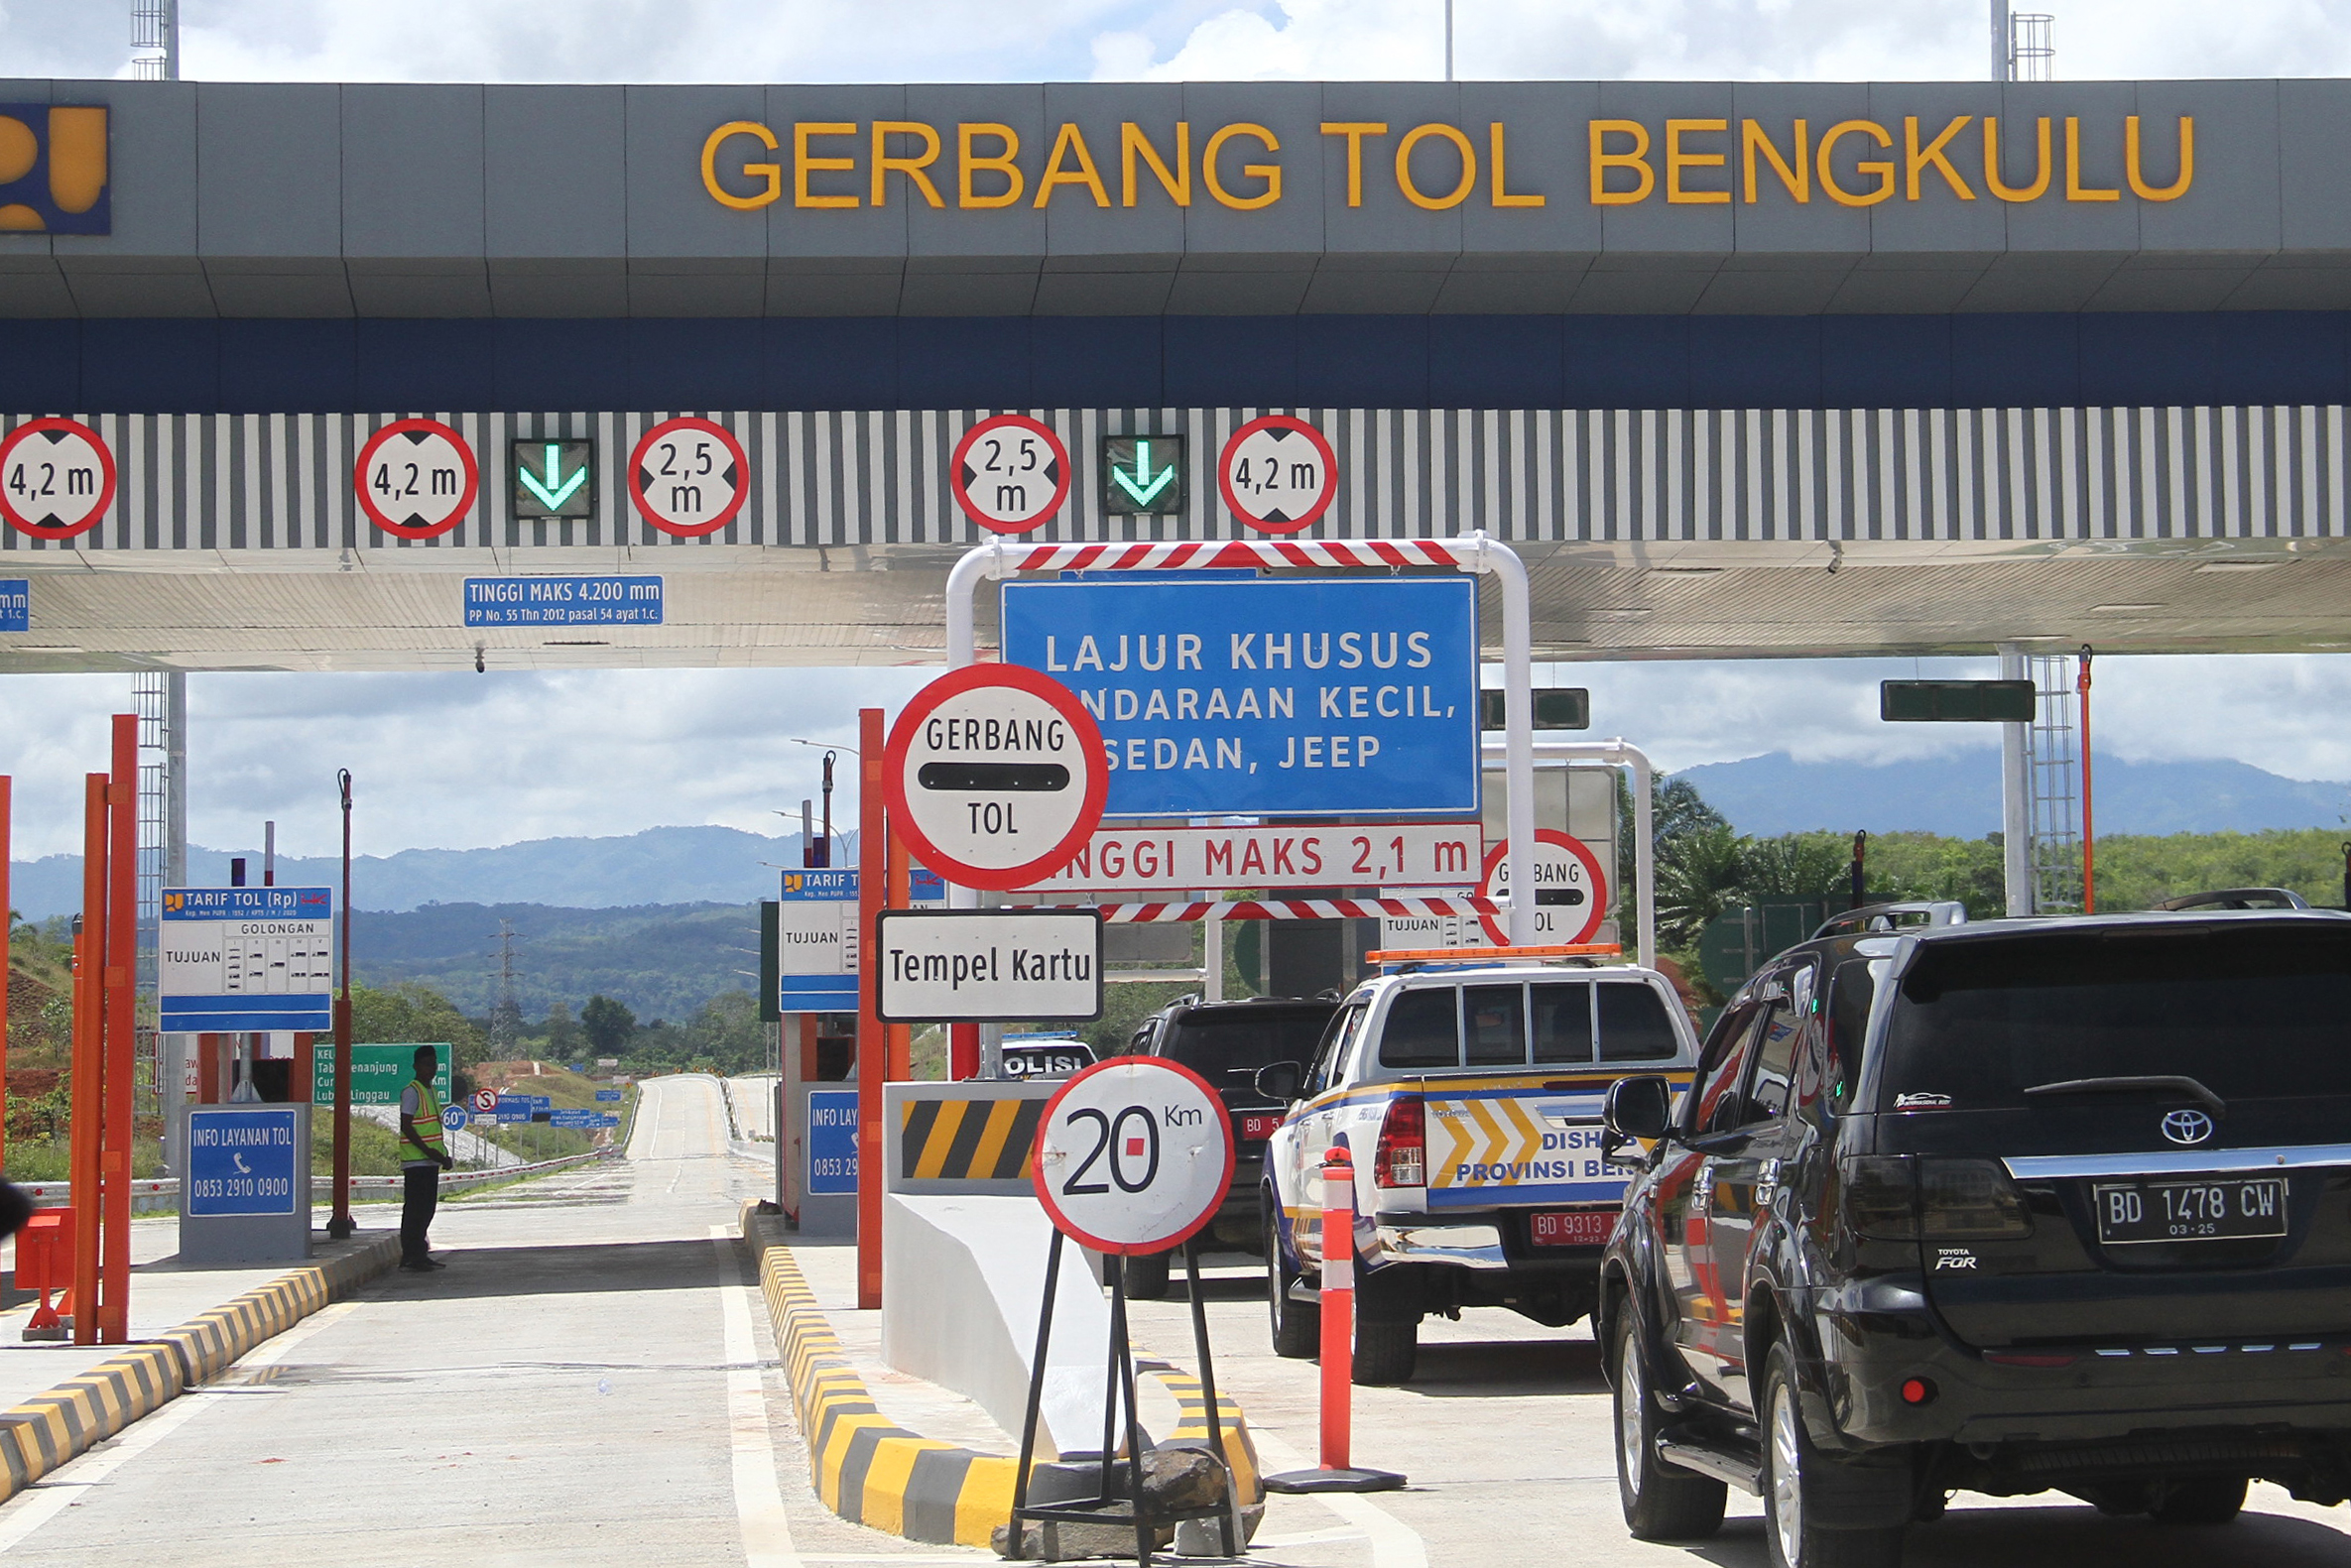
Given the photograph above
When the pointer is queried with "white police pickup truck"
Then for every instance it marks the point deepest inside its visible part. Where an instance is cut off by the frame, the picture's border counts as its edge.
(1469, 1099)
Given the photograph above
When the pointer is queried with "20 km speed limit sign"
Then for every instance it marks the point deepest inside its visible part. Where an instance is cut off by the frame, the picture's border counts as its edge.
(1133, 1156)
(689, 478)
(1277, 474)
(996, 776)
(57, 478)
(1009, 473)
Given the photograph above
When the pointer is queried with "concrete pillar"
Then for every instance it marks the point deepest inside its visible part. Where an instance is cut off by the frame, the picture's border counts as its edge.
(2015, 793)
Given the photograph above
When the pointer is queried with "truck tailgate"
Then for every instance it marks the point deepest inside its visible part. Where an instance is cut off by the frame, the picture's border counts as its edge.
(1518, 1142)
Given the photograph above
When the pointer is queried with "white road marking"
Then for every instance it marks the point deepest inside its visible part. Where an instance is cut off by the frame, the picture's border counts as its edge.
(759, 1501)
(1394, 1543)
(65, 1485)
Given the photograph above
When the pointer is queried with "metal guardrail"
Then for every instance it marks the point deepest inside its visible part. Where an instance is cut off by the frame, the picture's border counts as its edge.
(163, 1192)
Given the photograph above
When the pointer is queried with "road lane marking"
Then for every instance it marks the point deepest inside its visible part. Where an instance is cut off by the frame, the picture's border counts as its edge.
(1394, 1543)
(759, 1501)
(70, 1483)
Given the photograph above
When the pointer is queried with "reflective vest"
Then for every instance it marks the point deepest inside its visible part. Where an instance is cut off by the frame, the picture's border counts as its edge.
(426, 1122)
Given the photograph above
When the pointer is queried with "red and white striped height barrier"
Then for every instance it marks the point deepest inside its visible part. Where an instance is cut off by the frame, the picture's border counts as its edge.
(1287, 909)
(1171, 556)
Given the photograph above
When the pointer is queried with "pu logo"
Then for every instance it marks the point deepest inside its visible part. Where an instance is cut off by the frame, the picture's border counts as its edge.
(53, 169)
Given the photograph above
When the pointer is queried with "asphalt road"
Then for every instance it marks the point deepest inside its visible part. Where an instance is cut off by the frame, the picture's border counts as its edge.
(591, 1381)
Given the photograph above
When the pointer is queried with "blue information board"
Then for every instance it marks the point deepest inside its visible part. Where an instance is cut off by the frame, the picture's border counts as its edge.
(245, 958)
(833, 1142)
(15, 604)
(607, 1094)
(241, 1162)
(571, 1118)
(562, 601)
(1271, 697)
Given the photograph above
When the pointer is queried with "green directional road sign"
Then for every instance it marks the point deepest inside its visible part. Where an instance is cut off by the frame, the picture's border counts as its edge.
(554, 478)
(378, 1072)
(1144, 474)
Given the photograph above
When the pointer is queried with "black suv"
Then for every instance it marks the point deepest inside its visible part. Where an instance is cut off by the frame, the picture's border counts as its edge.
(2006, 1208)
(1226, 1043)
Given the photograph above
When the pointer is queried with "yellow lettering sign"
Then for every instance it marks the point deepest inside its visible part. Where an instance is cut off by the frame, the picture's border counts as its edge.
(771, 174)
(1270, 174)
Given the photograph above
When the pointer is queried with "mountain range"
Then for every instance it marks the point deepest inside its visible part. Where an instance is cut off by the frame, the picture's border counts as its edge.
(1959, 795)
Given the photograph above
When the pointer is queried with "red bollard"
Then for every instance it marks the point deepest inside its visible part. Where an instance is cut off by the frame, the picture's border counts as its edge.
(1337, 1472)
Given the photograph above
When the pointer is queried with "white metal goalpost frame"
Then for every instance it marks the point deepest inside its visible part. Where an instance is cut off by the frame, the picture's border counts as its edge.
(1474, 553)
(1619, 753)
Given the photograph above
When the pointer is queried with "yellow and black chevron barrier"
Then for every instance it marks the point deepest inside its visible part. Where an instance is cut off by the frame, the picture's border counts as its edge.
(954, 1139)
(57, 1424)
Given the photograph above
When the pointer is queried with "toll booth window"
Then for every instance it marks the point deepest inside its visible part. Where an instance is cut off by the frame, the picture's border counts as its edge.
(1634, 1025)
(1494, 1025)
(1423, 1029)
(1564, 1023)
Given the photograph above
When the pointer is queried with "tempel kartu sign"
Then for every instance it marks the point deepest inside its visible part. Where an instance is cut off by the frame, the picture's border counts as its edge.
(1266, 697)
(245, 958)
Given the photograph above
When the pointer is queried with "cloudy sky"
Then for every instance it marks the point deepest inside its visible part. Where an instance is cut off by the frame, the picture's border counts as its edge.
(455, 761)
(458, 761)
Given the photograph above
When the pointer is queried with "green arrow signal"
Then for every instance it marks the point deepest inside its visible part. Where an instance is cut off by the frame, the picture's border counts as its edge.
(554, 490)
(1143, 484)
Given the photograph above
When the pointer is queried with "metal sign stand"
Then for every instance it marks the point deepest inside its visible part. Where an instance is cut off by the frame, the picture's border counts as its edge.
(1118, 1496)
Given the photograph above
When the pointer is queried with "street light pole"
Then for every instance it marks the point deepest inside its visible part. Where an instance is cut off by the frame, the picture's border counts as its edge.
(341, 1226)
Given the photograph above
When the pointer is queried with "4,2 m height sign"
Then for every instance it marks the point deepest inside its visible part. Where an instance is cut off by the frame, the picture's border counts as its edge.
(57, 478)
(416, 478)
(1277, 474)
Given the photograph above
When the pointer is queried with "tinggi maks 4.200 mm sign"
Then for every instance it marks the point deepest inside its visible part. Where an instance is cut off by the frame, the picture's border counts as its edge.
(1133, 1156)
(1266, 698)
(995, 776)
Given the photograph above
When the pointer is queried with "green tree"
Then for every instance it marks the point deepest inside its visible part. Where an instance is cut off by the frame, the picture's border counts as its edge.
(563, 1032)
(727, 1031)
(609, 1024)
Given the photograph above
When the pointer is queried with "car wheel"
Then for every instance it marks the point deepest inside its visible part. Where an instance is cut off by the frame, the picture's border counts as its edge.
(1385, 1353)
(1147, 1275)
(2212, 1499)
(1662, 1502)
(1790, 1484)
(1297, 1325)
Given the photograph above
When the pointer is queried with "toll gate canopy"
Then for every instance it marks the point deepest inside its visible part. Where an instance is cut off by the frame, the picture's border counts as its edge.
(1743, 368)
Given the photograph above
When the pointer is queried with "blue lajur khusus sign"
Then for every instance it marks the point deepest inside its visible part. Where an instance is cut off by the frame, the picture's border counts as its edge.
(1270, 697)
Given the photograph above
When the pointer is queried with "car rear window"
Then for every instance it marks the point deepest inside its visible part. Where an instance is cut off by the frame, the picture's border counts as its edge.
(1634, 1025)
(1228, 1048)
(2250, 1012)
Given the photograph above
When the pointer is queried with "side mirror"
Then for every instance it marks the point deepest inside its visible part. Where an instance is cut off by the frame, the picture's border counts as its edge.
(1638, 1108)
(1280, 1080)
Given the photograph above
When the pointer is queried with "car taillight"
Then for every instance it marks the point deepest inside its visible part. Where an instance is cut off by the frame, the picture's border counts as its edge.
(1402, 1160)
(1894, 1198)
(1964, 1200)
(1881, 1197)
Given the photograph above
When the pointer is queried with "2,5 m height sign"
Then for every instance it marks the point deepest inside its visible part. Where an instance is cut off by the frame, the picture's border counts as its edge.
(1268, 697)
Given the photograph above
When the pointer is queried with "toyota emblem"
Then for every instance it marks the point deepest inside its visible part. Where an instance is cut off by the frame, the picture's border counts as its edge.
(2186, 1126)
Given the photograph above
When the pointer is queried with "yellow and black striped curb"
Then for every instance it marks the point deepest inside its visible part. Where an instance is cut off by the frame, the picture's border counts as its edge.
(866, 1469)
(959, 1139)
(57, 1424)
(875, 1474)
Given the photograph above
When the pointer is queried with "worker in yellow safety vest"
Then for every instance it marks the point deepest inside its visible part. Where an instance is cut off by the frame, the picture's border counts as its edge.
(425, 1157)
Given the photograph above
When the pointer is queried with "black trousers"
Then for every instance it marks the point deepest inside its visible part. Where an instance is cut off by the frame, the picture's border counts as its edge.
(420, 1196)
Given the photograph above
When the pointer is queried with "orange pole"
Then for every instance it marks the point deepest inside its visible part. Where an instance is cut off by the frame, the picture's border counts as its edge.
(122, 1039)
(7, 919)
(900, 893)
(873, 1045)
(2089, 861)
(86, 1130)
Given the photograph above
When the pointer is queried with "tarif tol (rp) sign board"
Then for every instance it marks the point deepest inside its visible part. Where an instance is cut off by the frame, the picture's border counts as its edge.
(1295, 697)
(245, 958)
(996, 776)
(988, 966)
(816, 938)
(1133, 1155)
